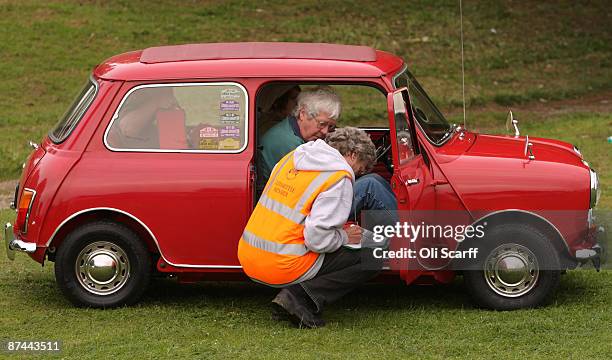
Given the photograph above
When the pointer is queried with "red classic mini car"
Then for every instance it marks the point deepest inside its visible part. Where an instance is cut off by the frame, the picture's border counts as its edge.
(153, 170)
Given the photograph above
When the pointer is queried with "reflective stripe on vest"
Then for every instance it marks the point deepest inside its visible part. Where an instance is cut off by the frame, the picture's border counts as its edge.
(294, 214)
(271, 249)
(314, 185)
(282, 209)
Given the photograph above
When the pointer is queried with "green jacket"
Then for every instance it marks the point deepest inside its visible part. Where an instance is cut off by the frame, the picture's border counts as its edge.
(277, 142)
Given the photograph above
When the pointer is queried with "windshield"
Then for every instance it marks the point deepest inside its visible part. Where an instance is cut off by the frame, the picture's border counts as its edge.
(75, 112)
(431, 120)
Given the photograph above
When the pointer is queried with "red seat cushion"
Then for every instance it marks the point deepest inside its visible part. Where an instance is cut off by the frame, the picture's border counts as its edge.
(171, 125)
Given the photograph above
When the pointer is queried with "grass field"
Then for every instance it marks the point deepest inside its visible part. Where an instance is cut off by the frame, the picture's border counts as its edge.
(549, 61)
(231, 320)
(516, 52)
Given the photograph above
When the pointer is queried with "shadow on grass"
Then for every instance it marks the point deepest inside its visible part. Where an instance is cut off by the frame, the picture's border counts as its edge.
(577, 287)
(373, 295)
(574, 289)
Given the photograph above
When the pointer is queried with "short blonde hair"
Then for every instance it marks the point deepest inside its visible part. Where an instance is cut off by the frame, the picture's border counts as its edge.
(349, 140)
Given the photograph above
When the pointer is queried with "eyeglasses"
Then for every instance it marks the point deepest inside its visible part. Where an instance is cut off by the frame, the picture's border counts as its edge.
(324, 124)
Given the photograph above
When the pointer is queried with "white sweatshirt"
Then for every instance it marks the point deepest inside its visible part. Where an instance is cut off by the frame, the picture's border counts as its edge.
(323, 231)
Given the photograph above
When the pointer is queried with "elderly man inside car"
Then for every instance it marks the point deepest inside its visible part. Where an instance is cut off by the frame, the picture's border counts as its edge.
(314, 117)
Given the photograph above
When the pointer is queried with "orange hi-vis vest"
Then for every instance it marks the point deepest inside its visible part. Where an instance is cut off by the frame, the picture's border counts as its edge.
(271, 249)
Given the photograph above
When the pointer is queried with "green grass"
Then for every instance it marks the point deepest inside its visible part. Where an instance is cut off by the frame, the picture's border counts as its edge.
(537, 50)
(232, 320)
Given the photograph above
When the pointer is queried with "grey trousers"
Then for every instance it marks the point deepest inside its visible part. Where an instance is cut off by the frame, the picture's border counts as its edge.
(341, 271)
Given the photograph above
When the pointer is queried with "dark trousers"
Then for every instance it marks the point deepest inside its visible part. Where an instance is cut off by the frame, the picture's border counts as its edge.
(341, 272)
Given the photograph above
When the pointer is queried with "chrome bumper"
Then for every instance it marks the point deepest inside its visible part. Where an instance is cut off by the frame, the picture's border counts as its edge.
(13, 245)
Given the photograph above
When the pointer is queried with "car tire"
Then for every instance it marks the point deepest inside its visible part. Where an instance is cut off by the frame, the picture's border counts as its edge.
(517, 267)
(102, 265)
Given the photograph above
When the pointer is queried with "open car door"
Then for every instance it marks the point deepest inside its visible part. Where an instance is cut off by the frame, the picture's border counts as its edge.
(411, 178)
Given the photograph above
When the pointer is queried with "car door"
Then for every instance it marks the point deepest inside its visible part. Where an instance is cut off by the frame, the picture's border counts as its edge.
(427, 204)
(411, 173)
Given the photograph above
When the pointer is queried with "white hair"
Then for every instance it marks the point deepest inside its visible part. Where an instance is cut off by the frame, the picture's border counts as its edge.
(317, 100)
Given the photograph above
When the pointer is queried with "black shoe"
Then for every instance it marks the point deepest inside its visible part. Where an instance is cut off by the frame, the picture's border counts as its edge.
(278, 313)
(287, 305)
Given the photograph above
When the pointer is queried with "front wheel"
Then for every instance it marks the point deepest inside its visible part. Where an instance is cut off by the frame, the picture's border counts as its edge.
(517, 268)
(102, 264)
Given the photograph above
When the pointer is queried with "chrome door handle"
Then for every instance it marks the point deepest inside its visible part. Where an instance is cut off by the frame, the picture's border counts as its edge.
(412, 182)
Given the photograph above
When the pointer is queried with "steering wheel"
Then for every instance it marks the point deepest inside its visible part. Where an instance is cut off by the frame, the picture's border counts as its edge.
(383, 152)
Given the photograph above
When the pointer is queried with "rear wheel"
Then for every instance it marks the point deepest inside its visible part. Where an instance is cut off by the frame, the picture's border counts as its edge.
(517, 267)
(103, 264)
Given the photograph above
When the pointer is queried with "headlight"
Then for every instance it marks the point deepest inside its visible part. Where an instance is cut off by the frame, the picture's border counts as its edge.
(594, 189)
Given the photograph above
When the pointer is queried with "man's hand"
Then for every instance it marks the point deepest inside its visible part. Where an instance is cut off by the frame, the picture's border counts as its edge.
(354, 233)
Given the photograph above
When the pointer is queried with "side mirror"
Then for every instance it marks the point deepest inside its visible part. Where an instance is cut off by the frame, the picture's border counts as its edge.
(512, 122)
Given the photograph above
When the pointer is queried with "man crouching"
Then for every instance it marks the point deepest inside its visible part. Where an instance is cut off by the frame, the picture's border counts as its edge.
(295, 234)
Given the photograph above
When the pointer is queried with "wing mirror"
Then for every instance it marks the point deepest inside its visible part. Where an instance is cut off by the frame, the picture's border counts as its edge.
(512, 122)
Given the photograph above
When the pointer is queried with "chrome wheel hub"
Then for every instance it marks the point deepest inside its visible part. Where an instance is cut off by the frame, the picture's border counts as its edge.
(511, 270)
(102, 268)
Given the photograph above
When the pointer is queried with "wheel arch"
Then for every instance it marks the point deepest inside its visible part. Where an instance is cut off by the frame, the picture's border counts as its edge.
(538, 222)
(91, 215)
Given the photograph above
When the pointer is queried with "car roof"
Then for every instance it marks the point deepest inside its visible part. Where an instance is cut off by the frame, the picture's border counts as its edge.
(254, 59)
(257, 50)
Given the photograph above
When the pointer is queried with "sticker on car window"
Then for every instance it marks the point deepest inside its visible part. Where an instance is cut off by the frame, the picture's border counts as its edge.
(229, 94)
(230, 138)
(230, 119)
(209, 138)
(229, 105)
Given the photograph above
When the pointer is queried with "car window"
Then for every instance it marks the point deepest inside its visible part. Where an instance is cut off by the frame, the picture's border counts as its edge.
(434, 124)
(75, 112)
(203, 117)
